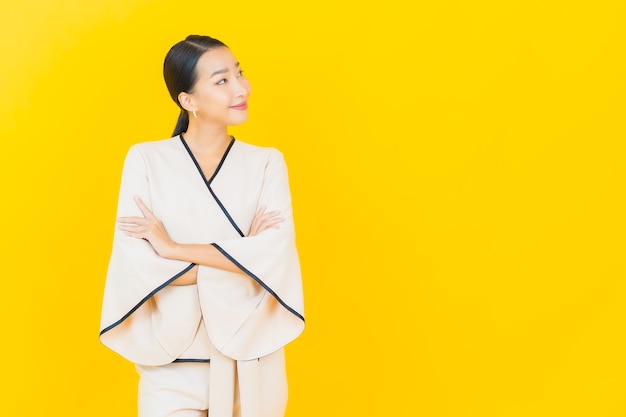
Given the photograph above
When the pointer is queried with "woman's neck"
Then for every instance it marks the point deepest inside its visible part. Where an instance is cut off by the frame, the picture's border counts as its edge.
(207, 139)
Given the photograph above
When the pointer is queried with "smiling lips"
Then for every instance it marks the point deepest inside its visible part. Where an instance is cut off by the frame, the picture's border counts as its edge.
(241, 106)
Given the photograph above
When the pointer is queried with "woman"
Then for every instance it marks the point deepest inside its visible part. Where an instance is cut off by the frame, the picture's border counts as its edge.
(203, 289)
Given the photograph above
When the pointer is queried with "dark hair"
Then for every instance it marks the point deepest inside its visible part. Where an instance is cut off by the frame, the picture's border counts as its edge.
(179, 70)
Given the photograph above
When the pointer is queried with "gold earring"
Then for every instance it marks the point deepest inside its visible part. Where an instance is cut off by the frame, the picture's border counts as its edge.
(195, 115)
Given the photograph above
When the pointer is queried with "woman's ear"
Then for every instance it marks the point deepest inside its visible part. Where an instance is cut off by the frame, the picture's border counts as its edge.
(186, 101)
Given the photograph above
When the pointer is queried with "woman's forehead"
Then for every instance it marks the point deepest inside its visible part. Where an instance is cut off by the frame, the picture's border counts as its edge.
(217, 59)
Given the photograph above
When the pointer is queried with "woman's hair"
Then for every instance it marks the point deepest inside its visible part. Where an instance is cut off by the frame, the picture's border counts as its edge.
(179, 70)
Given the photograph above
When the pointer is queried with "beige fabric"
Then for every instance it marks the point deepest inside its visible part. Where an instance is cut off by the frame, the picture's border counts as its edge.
(227, 316)
(174, 390)
(186, 389)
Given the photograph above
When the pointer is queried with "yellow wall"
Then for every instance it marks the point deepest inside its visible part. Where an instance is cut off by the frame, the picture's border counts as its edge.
(458, 177)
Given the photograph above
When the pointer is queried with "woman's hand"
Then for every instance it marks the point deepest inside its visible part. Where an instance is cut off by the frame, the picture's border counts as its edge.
(263, 221)
(148, 228)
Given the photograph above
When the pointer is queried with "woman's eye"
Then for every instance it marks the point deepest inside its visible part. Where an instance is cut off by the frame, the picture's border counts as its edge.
(222, 81)
(240, 73)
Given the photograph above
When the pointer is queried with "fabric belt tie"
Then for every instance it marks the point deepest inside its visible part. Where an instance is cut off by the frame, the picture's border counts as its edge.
(224, 374)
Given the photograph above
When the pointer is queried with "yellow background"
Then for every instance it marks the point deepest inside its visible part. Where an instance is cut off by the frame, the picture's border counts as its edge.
(458, 176)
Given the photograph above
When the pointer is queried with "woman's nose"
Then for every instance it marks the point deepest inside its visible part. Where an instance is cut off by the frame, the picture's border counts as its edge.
(240, 89)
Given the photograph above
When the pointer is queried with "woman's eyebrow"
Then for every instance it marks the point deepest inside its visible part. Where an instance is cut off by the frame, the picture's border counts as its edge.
(223, 70)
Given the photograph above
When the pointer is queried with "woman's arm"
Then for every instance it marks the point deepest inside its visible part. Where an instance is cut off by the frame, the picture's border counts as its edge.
(151, 229)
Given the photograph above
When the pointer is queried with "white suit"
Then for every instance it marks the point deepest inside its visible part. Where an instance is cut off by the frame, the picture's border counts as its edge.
(231, 319)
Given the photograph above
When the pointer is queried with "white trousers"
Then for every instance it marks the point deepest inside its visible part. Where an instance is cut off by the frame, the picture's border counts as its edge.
(256, 388)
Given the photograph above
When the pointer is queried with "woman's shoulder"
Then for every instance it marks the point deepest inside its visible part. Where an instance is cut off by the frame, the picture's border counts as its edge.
(256, 150)
(155, 145)
(149, 152)
(157, 150)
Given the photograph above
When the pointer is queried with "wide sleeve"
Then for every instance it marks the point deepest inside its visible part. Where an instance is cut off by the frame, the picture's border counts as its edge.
(143, 319)
(253, 314)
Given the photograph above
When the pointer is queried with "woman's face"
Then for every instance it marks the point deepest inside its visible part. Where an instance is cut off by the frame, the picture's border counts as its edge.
(221, 92)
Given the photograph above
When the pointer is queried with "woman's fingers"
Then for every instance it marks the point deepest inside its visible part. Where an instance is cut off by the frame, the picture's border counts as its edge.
(272, 220)
(263, 221)
(270, 214)
(144, 209)
(148, 228)
(134, 230)
(137, 226)
(129, 227)
(148, 215)
(133, 220)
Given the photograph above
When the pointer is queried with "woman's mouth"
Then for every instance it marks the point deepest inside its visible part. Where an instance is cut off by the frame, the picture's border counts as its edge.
(241, 106)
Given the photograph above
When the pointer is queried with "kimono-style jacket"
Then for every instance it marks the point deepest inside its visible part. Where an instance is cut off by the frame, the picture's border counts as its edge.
(236, 316)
